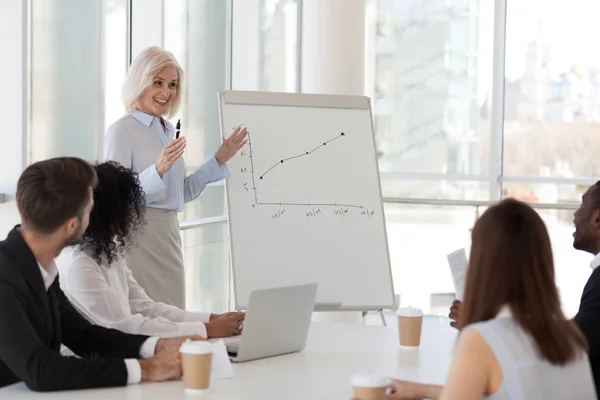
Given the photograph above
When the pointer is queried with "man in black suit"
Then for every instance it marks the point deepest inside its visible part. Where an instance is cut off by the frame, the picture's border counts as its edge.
(586, 238)
(54, 199)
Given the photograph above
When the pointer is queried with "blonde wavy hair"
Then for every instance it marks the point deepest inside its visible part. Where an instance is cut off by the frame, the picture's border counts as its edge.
(141, 74)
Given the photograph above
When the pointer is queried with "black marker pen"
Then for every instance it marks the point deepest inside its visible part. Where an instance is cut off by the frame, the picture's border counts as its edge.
(177, 127)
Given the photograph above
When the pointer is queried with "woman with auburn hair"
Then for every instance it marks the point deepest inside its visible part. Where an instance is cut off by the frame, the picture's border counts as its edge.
(145, 142)
(516, 342)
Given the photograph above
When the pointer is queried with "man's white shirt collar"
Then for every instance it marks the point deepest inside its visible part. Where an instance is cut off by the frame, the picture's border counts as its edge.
(49, 275)
(595, 262)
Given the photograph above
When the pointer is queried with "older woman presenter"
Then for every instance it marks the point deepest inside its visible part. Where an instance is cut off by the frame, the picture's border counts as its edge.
(144, 141)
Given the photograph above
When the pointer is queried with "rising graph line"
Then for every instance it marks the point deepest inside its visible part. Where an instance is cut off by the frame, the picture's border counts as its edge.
(254, 188)
(303, 154)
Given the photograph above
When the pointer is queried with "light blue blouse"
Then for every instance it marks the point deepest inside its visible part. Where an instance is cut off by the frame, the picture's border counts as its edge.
(135, 141)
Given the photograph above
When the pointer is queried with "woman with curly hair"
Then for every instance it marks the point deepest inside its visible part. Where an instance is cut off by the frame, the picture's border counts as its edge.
(97, 281)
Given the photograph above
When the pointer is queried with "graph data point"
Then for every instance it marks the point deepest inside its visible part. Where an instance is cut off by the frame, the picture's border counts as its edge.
(343, 134)
(307, 152)
(324, 144)
(282, 161)
(261, 177)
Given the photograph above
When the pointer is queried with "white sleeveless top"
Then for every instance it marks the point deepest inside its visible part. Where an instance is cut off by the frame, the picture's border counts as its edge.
(525, 376)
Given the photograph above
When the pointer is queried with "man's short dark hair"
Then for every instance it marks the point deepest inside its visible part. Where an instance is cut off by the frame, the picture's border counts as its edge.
(593, 195)
(52, 191)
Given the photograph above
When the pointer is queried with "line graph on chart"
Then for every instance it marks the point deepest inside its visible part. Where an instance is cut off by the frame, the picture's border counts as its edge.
(307, 153)
(261, 179)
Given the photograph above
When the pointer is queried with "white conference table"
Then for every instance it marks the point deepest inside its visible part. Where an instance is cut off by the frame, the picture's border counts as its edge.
(321, 371)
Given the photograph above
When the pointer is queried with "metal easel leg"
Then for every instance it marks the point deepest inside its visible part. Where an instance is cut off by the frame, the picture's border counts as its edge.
(382, 317)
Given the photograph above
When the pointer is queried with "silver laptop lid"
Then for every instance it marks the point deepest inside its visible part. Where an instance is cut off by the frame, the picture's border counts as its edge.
(277, 321)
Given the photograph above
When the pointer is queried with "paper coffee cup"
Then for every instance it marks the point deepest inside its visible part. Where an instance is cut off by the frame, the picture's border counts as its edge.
(410, 323)
(369, 386)
(196, 359)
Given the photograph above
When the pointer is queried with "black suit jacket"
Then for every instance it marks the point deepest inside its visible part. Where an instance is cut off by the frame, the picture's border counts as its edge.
(34, 322)
(588, 320)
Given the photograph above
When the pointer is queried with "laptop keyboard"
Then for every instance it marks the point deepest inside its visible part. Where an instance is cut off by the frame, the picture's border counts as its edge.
(232, 344)
(232, 340)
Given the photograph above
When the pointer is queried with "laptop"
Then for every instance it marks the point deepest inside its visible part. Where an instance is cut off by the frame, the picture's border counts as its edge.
(277, 322)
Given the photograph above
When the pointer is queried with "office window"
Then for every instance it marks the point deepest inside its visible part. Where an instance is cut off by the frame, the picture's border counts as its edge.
(195, 31)
(419, 267)
(265, 45)
(552, 117)
(13, 68)
(432, 67)
(551, 120)
(279, 45)
(78, 61)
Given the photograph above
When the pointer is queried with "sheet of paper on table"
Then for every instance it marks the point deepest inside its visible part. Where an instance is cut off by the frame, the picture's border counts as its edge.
(221, 365)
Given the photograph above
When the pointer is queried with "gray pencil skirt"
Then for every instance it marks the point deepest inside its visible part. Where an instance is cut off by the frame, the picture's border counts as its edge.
(156, 259)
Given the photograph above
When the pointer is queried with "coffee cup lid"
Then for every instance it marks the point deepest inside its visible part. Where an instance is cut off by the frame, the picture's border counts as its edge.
(409, 312)
(369, 379)
(196, 347)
